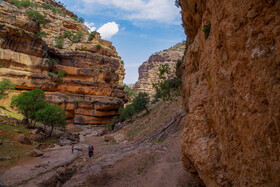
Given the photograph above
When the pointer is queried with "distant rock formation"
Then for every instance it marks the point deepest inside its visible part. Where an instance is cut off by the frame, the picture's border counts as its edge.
(231, 89)
(148, 71)
(91, 91)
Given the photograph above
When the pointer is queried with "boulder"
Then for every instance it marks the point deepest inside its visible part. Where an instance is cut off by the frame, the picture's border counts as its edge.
(36, 153)
(38, 137)
(68, 138)
(24, 140)
(108, 138)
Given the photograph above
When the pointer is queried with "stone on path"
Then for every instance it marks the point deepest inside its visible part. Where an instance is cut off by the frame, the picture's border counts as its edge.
(24, 140)
(36, 153)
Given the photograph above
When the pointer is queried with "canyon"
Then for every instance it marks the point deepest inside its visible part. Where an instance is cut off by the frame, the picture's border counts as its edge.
(231, 90)
(82, 74)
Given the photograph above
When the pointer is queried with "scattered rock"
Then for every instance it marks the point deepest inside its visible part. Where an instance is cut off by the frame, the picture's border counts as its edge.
(1, 131)
(9, 158)
(37, 165)
(36, 153)
(38, 137)
(24, 140)
(108, 138)
(67, 139)
(35, 131)
(119, 126)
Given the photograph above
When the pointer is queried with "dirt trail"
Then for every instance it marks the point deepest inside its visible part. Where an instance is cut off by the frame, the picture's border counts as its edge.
(146, 152)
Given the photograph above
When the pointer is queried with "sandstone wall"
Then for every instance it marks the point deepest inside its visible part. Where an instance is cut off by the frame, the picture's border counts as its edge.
(148, 71)
(92, 68)
(231, 88)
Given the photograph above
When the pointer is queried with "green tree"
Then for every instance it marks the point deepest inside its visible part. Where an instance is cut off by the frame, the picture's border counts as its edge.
(51, 115)
(5, 85)
(130, 93)
(28, 103)
(36, 16)
(127, 112)
(140, 102)
(167, 89)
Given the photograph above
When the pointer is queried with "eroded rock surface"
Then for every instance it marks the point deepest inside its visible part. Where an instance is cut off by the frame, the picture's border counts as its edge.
(231, 88)
(148, 71)
(92, 68)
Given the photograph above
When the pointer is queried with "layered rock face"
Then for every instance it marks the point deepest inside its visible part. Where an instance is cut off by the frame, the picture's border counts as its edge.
(148, 71)
(231, 88)
(92, 68)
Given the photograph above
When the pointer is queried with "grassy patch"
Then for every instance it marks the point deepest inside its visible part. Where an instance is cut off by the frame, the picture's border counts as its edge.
(12, 114)
(134, 132)
(160, 140)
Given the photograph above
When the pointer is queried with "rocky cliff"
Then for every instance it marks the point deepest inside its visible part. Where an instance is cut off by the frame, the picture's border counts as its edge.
(148, 71)
(231, 88)
(52, 52)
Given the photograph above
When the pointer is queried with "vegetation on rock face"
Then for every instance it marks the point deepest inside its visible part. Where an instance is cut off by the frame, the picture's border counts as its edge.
(23, 3)
(206, 30)
(59, 41)
(40, 35)
(98, 46)
(130, 93)
(51, 115)
(5, 85)
(28, 103)
(81, 20)
(36, 16)
(167, 89)
(91, 35)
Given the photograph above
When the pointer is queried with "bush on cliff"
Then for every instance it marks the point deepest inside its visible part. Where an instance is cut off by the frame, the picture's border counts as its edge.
(5, 85)
(91, 35)
(36, 16)
(166, 89)
(59, 41)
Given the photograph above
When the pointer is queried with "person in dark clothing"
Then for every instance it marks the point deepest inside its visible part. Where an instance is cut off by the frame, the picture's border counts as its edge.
(89, 151)
(92, 149)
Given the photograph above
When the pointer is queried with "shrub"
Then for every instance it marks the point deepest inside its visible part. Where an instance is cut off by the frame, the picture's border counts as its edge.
(127, 113)
(109, 127)
(81, 20)
(206, 30)
(122, 62)
(60, 75)
(40, 35)
(36, 16)
(130, 93)
(78, 36)
(91, 35)
(75, 19)
(28, 103)
(20, 32)
(165, 88)
(23, 3)
(5, 85)
(98, 46)
(59, 41)
(51, 115)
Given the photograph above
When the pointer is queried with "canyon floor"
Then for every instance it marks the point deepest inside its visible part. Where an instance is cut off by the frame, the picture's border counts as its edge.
(145, 152)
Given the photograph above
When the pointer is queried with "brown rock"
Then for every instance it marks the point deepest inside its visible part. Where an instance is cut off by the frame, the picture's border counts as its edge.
(90, 71)
(24, 140)
(108, 138)
(230, 85)
(36, 153)
(148, 71)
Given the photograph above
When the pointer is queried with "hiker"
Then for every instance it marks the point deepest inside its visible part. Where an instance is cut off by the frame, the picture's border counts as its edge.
(72, 148)
(92, 149)
(89, 151)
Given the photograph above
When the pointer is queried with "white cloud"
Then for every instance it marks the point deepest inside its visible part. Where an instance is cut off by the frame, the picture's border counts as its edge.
(108, 30)
(90, 26)
(163, 11)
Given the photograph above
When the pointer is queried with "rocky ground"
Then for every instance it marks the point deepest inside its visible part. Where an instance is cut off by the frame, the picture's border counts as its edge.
(143, 153)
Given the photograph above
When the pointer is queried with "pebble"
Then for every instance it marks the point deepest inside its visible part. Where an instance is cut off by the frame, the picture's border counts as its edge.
(37, 165)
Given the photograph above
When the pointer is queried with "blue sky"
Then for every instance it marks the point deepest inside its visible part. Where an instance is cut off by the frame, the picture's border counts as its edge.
(137, 28)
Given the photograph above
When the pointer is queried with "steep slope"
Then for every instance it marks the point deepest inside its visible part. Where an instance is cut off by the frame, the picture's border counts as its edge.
(231, 92)
(89, 91)
(148, 71)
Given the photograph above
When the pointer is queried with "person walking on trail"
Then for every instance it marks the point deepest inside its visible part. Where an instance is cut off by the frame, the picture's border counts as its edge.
(89, 151)
(72, 148)
(92, 149)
